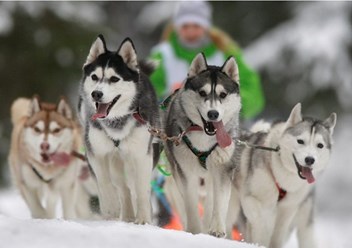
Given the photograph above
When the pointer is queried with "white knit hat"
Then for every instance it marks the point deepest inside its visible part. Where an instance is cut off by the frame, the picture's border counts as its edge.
(198, 12)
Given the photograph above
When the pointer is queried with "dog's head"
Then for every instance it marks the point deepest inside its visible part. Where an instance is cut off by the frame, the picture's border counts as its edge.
(48, 130)
(109, 80)
(306, 144)
(211, 94)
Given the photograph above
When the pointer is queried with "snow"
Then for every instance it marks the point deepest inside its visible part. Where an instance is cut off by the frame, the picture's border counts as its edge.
(19, 230)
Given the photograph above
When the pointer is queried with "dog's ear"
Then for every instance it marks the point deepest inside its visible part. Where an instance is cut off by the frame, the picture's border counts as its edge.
(34, 107)
(64, 109)
(330, 122)
(128, 54)
(198, 65)
(98, 47)
(295, 116)
(230, 68)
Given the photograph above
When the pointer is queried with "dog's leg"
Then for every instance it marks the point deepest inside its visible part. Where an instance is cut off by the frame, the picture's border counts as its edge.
(233, 212)
(119, 179)
(209, 202)
(143, 166)
(282, 227)
(69, 201)
(51, 203)
(33, 202)
(221, 197)
(218, 163)
(305, 225)
(109, 203)
(189, 188)
(260, 219)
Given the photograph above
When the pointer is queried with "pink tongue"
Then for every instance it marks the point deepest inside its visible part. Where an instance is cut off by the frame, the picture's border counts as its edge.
(61, 158)
(307, 173)
(222, 136)
(102, 111)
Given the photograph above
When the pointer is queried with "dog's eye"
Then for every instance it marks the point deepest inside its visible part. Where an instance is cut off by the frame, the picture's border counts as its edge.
(94, 77)
(320, 145)
(37, 130)
(56, 130)
(202, 93)
(301, 142)
(223, 95)
(114, 79)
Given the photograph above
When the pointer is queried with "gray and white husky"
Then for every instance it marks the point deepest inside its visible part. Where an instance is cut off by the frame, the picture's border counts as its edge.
(276, 189)
(119, 147)
(206, 108)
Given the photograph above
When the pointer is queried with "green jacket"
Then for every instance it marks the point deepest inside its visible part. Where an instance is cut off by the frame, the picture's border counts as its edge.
(174, 61)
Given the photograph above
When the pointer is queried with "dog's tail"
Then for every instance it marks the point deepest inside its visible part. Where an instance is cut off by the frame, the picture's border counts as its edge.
(260, 126)
(19, 109)
(148, 66)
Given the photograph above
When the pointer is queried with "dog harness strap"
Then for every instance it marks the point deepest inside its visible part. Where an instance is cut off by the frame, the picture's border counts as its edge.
(202, 156)
(39, 175)
(282, 192)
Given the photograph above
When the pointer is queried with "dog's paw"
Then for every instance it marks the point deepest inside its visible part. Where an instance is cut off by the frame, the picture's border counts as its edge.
(217, 234)
(141, 222)
(223, 155)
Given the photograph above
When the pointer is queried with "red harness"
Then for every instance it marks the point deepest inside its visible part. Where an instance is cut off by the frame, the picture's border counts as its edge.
(282, 192)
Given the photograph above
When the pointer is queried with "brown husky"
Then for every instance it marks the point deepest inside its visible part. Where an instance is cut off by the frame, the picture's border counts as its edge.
(43, 168)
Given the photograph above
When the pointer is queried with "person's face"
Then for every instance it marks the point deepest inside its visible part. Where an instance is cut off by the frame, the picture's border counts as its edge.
(191, 32)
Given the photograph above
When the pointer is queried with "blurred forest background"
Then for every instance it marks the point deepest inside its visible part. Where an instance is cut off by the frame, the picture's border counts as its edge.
(302, 50)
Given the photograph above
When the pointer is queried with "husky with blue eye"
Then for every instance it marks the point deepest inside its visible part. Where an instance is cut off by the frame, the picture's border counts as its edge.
(275, 189)
(207, 110)
(117, 103)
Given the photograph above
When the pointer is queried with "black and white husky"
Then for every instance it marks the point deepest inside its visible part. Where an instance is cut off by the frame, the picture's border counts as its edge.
(276, 188)
(206, 108)
(119, 147)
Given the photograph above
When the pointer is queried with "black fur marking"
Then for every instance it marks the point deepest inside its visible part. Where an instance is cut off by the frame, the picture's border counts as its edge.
(115, 61)
(117, 123)
(116, 142)
(86, 138)
(256, 139)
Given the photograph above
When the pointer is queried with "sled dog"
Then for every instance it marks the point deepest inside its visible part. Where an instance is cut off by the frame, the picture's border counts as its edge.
(117, 104)
(207, 110)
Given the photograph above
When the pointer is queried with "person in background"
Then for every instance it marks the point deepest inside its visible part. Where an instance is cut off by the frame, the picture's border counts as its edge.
(191, 32)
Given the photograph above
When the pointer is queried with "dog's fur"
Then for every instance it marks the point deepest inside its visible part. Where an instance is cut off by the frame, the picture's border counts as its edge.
(119, 148)
(206, 89)
(268, 220)
(43, 134)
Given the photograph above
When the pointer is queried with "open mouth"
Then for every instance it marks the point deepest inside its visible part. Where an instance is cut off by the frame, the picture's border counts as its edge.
(304, 172)
(45, 157)
(209, 127)
(103, 109)
(217, 128)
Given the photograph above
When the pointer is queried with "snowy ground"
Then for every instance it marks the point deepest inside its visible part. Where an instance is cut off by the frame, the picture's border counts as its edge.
(19, 230)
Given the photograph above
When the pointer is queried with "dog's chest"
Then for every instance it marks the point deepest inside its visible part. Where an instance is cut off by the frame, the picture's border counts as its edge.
(201, 141)
(118, 130)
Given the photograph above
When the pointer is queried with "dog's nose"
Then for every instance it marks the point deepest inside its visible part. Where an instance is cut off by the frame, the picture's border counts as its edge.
(97, 95)
(213, 114)
(309, 160)
(44, 146)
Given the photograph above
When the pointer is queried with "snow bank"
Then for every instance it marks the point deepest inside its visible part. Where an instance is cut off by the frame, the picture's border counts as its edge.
(19, 230)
